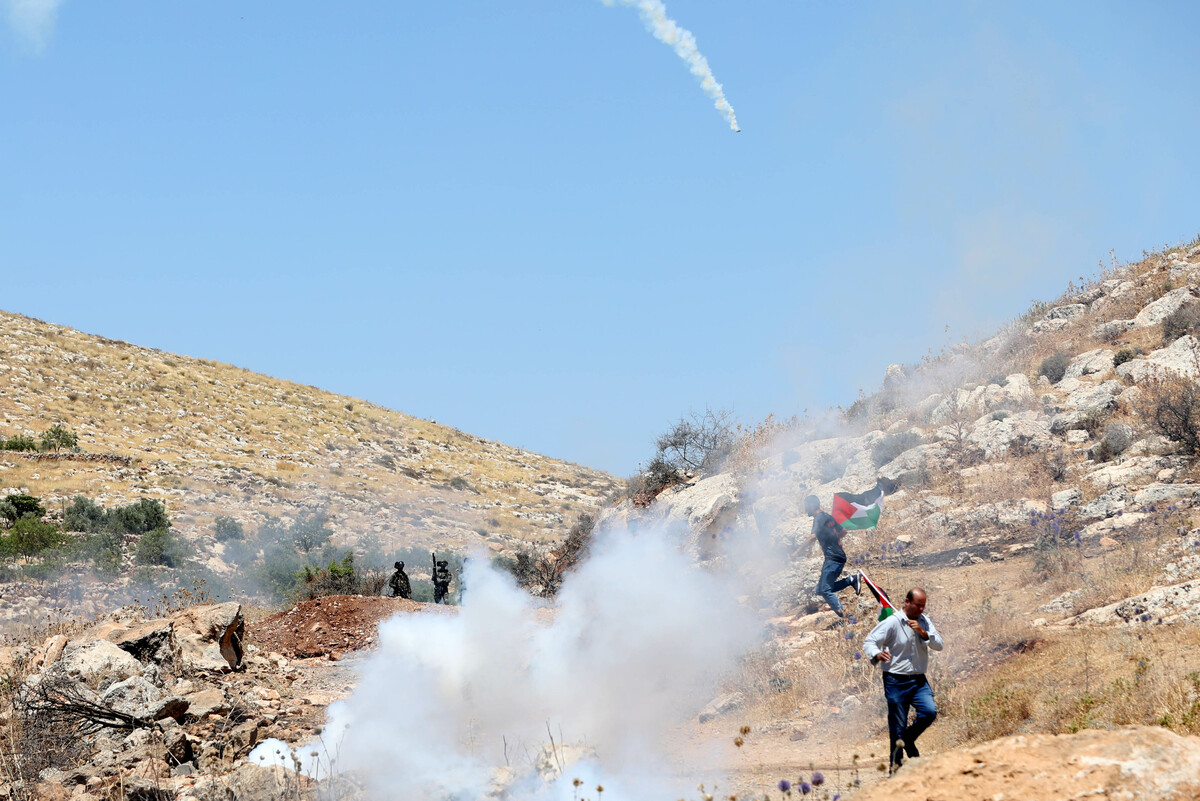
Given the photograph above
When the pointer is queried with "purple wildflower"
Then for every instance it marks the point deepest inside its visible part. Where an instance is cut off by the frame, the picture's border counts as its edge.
(1078, 537)
(849, 636)
(785, 786)
(818, 778)
(836, 797)
(853, 619)
(1145, 618)
(1160, 620)
(858, 654)
(805, 788)
(1139, 636)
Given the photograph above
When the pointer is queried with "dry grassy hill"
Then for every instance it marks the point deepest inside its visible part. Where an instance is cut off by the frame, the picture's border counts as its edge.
(211, 439)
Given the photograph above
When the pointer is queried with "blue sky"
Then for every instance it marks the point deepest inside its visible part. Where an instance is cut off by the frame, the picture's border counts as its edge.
(526, 220)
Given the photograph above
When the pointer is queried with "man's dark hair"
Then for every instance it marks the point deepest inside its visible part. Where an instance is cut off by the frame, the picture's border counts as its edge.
(399, 565)
(909, 596)
(812, 503)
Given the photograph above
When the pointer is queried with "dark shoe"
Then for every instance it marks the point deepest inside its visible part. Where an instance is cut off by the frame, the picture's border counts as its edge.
(911, 751)
(856, 582)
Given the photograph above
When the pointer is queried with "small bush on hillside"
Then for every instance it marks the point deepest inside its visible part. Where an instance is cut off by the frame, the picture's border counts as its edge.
(1173, 403)
(1054, 367)
(1117, 438)
(459, 483)
(20, 443)
(1184, 320)
(339, 578)
(84, 515)
(23, 505)
(225, 528)
(160, 547)
(138, 517)
(309, 532)
(697, 442)
(647, 485)
(1122, 356)
(106, 549)
(1054, 464)
(59, 437)
(890, 446)
(29, 537)
(1001, 414)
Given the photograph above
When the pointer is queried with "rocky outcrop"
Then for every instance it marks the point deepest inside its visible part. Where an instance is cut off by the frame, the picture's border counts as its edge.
(1179, 603)
(1140, 762)
(210, 637)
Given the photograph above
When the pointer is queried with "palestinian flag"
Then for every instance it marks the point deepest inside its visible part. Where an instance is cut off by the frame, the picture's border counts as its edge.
(861, 511)
(888, 610)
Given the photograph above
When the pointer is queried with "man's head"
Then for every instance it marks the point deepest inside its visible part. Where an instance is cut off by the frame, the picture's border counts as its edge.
(812, 505)
(914, 603)
(399, 565)
(442, 564)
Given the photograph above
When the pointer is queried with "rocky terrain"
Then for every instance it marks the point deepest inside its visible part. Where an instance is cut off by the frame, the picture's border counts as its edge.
(1049, 513)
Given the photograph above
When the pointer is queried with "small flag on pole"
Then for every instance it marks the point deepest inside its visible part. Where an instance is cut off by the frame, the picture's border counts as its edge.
(888, 610)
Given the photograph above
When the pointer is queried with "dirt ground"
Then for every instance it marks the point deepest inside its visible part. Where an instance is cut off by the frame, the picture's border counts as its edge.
(329, 627)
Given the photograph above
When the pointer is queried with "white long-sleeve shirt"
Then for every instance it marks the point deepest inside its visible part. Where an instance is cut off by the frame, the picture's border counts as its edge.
(910, 654)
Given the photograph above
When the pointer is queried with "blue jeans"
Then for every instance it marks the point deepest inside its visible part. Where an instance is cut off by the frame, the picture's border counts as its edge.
(901, 693)
(828, 586)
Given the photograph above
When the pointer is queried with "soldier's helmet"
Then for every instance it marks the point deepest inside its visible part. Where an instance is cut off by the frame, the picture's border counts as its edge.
(399, 565)
(442, 564)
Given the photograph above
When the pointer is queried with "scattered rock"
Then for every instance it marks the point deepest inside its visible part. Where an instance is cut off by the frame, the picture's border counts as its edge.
(210, 637)
(721, 705)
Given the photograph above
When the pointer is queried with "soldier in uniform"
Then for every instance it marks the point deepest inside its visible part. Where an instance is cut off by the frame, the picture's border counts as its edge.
(399, 583)
(441, 582)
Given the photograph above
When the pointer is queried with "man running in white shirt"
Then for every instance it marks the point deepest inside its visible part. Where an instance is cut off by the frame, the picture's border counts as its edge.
(901, 644)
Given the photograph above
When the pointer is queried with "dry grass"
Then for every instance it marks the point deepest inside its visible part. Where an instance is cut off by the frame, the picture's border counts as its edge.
(188, 422)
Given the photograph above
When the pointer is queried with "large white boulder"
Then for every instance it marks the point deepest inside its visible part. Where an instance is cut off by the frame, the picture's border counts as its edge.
(1181, 357)
(97, 664)
(1154, 313)
(211, 637)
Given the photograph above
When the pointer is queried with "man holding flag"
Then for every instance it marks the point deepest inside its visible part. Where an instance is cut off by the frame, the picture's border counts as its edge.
(829, 534)
(901, 643)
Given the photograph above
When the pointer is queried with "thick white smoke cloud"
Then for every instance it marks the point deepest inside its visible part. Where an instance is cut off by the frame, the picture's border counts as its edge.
(33, 20)
(632, 647)
(681, 40)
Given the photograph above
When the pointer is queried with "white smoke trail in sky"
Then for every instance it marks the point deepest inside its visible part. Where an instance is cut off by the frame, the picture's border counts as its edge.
(681, 40)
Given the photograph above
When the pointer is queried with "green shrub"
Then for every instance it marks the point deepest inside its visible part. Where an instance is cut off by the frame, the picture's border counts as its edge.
(29, 537)
(1184, 320)
(892, 445)
(19, 443)
(459, 483)
(59, 437)
(22, 505)
(1122, 356)
(337, 578)
(226, 528)
(309, 532)
(160, 547)
(83, 515)
(106, 549)
(1001, 414)
(1054, 367)
(139, 517)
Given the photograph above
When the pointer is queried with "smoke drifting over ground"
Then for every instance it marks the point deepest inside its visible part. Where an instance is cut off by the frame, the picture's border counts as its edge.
(632, 647)
(681, 40)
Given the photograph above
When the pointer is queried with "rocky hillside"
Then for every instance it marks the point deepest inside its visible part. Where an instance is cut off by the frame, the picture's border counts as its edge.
(1049, 501)
(211, 439)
